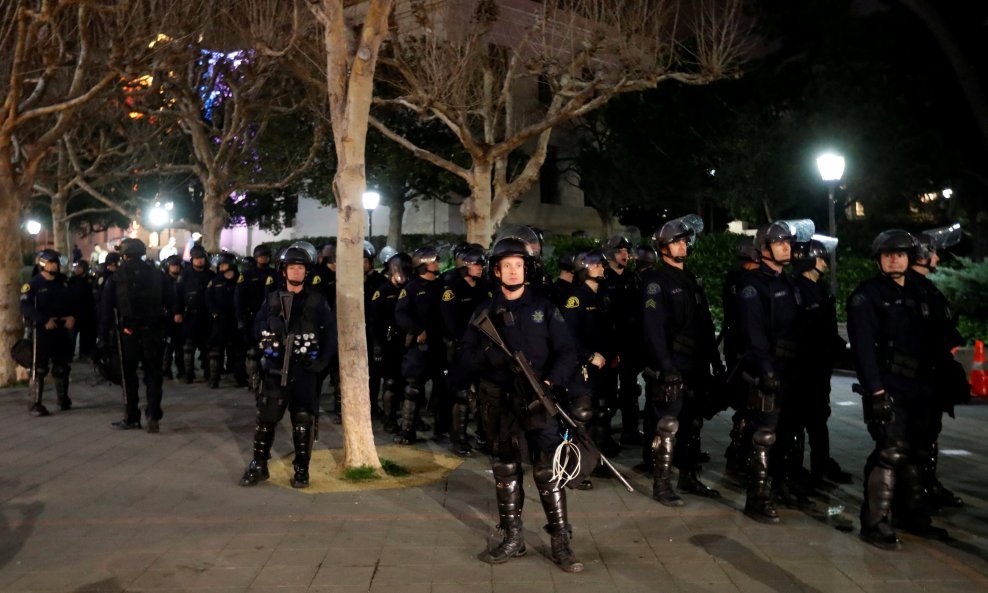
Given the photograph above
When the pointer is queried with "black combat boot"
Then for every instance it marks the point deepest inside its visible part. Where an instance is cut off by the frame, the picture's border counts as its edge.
(389, 405)
(36, 389)
(912, 515)
(736, 453)
(409, 416)
(510, 500)
(689, 482)
(190, 365)
(876, 512)
(302, 436)
(758, 504)
(459, 441)
(560, 531)
(257, 470)
(662, 448)
(215, 369)
(937, 495)
(62, 390)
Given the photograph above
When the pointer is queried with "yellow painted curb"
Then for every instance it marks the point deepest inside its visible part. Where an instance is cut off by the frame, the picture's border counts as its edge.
(326, 473)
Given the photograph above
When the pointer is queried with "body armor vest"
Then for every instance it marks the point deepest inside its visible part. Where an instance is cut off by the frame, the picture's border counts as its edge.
(138, 287)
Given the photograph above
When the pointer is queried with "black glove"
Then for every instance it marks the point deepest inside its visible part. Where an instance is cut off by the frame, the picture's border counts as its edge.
(719, 371)
(878, 408)
(378, 354)
(770, 384)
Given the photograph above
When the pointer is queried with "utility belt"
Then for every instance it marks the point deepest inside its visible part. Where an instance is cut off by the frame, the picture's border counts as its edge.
(659, 391)
(907, 367)
(295, 346)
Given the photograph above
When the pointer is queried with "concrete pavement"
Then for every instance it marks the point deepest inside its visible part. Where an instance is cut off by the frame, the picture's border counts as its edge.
(85, 508)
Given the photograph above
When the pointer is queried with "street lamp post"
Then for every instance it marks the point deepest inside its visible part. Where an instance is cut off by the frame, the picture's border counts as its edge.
(831, 168)
(370, 199)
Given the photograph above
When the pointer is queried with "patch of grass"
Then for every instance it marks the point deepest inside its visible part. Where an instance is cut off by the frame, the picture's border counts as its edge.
(393, 469)
(364, 473)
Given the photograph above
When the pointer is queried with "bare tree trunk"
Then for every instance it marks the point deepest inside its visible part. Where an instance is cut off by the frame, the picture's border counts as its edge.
(476, 209)
(395, 217)
(213, 217)
(60, 223)
(11, 324)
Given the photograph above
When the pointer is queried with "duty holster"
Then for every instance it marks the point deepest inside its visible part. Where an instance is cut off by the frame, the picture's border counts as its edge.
(758, 400)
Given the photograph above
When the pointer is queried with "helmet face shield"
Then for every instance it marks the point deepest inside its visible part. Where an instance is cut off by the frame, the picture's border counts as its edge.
(525, 234)
(937, 239)
(398, 268)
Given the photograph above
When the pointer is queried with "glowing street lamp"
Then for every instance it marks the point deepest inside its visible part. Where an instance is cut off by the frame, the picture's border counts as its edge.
(370, 199)
(33, 227)
(831, 168)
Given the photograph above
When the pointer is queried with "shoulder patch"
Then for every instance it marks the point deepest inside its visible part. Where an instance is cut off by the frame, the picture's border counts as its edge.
(572, 302)
(448, 295)
(403, 294)
(240, 279)
(316, 280)
(858, 299)
(653, 288)
(209, 284)
(26, 288)
(269, 281)
(749, 292)
(377, 295)
(650, 304)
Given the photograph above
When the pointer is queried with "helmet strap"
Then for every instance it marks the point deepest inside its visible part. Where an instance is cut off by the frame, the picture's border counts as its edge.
(512, 287)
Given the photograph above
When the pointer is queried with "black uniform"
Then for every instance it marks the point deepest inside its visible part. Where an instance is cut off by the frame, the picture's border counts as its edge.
(892, 353)
(174, 335)
(418, 311)
(253, 286)
(139, 297)
(373, 281)
(224, 334)
(190, 303)
(941, 332)
(559, 292)
(681, 351)
(530, 324)
(323, 280)
(590, 322)
(819, 347)
(302, 329)
(388, 348)
(620, 383)
(81, 291)
(735, 385)
(769, 311)
(41, 300)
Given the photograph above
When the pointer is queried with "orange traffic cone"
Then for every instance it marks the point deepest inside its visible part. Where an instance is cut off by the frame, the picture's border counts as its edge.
(979, 382)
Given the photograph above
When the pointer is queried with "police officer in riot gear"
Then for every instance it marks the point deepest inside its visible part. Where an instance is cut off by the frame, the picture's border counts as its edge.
(224, 336)
(81, 290)
(681, 353)
(137, 300)
(896, 372)
(941, 329)
(418, 315)
(373, 280)
(46, 304)
(174, 338)
(737, 389)
(619, 380)
(820, 346)
(387, 339)
(768, 320)
(529, 323)
(296, 333)
(563, 285)
(323, 279)
(191, 310)
(464, 288)
(591, 324)
(253, 286)
(646, 258)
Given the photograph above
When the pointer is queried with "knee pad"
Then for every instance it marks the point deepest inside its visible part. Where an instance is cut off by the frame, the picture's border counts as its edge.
(890, 457)
(582, 410)
(59, 371)
(412, 391)
(763, 438)
(667, 425)
(506, 471)
(303, 418)
(189, 348)
(268, 408)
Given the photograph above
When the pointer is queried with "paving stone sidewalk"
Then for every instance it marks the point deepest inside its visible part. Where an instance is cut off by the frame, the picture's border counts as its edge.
(86, 508)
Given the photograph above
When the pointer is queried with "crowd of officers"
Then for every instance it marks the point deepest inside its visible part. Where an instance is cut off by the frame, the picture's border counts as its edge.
(617, 317)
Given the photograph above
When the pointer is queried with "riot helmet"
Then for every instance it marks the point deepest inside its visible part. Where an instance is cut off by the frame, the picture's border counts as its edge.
(646, 257)
(746, 251)
(133, 248)
(299, 252)
(261, 250)
(472, 255)
(511, 247)
(566, 262)
(587, 259)
(806, 253)
(526, 235)
(387, 252)
(684, 228)
(933, 240)
(399, 268)
(783, 231)
(112, 259)
(369, 251)
(81, 265)
(49, 255)
(613, 247)
(327, 254)
(893, 241)
(226, 258)
(423, 257)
